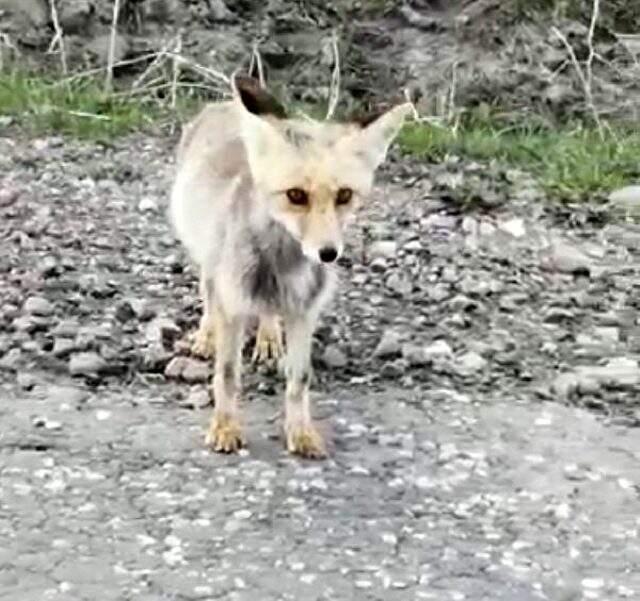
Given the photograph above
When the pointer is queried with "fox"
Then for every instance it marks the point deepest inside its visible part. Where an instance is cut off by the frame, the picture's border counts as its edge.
(261, 201)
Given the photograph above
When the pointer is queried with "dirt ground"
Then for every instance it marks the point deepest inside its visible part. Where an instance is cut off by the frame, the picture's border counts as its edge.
(477, 377)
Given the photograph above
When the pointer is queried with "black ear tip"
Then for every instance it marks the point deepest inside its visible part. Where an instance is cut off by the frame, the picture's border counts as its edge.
(255, 98)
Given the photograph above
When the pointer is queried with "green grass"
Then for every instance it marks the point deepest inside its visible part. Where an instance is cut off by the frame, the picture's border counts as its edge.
(78, 108)
(572, 162)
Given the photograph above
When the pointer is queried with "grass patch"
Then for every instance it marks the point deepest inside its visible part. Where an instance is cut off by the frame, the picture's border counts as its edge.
(79, 108)
(572, 162)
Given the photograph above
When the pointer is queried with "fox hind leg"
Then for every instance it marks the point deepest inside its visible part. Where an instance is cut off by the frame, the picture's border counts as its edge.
(204, 339)
(269, 344)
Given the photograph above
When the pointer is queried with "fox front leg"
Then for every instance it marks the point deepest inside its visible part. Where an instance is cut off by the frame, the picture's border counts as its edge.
(225, 432)
(301, 434)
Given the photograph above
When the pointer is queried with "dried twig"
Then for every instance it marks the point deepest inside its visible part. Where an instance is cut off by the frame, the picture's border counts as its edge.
(586, 74)
(334, 89)
(595, 13)
(451, 104)
(256, 63)
(158, 59)
(207, 72)
(5, 42)
(108, 83)
(176, 73)
(58, 38)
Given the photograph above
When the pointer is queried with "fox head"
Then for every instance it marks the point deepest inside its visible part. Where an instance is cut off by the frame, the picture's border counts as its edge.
(311, 175)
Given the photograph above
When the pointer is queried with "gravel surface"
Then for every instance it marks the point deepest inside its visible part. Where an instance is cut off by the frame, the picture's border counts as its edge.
(477, 377)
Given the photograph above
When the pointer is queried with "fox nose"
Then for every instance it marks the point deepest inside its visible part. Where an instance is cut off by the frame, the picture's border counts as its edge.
(328, 254)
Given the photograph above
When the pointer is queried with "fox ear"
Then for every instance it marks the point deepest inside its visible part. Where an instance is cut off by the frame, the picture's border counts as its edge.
(378, 132)
(260, 135)
(255, 99)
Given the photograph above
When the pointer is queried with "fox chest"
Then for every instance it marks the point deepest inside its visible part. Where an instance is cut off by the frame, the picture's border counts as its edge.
(277, 286)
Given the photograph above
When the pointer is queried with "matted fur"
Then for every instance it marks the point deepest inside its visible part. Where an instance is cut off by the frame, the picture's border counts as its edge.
(259, 253)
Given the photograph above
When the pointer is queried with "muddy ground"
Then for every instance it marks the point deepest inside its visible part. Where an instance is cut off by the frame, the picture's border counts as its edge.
(477, 377)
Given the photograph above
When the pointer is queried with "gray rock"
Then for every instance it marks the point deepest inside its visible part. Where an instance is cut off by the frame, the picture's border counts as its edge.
(100, 47)
(8, 196)
(198, 398)
(11, 360)
(399, 283)
(627, 199)
(71, 395)
(195, 370)
(26, 13)
(565, 385)
(618, 372)
(386, 249)
(415, 355)
(87, 364)
(38, 305)
(470, 363)
(334, 357)
(26, 381)
(389, 345)
(162, 331)
(218, 11)
(67, 328)
(566, 258)
(75, 15)
(124, 311)
(175, 367)
(63, 347)
(438, 349)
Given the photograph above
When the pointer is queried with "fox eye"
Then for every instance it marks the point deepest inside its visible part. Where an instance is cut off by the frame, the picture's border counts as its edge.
(297, 196)
(344, 196)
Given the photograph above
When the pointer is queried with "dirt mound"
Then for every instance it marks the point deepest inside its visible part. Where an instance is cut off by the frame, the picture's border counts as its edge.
(461, 54)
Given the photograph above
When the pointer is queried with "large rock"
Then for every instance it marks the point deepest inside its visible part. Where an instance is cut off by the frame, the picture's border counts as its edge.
(627, 199)
(100, 47)
(25, 13)
(75, 16)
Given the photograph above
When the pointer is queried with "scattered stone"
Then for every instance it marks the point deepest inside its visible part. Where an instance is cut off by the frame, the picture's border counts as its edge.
(175, 367)
(100, 47)
(37, 305)
(470, 363)
(195, 370)
(198, 399)
(57, 395)
(63, 347)
(387, 249)
(415, 355)
(389, 345)
(627, 199)
(8, 196)
(565, 385)
(87, 364)
(147, 204)
(124, 311)
(566, 258)
(11, 360)
(162, 331)
(26, 381)
(438, 349)
(334, 357)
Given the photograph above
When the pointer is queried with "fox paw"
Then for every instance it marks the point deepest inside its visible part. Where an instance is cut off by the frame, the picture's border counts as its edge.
(269, 345)
(225, 434)
(306, 441)
(203, 343)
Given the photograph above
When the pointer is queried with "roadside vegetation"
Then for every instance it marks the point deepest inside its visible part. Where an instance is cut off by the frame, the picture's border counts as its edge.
(573, 161)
